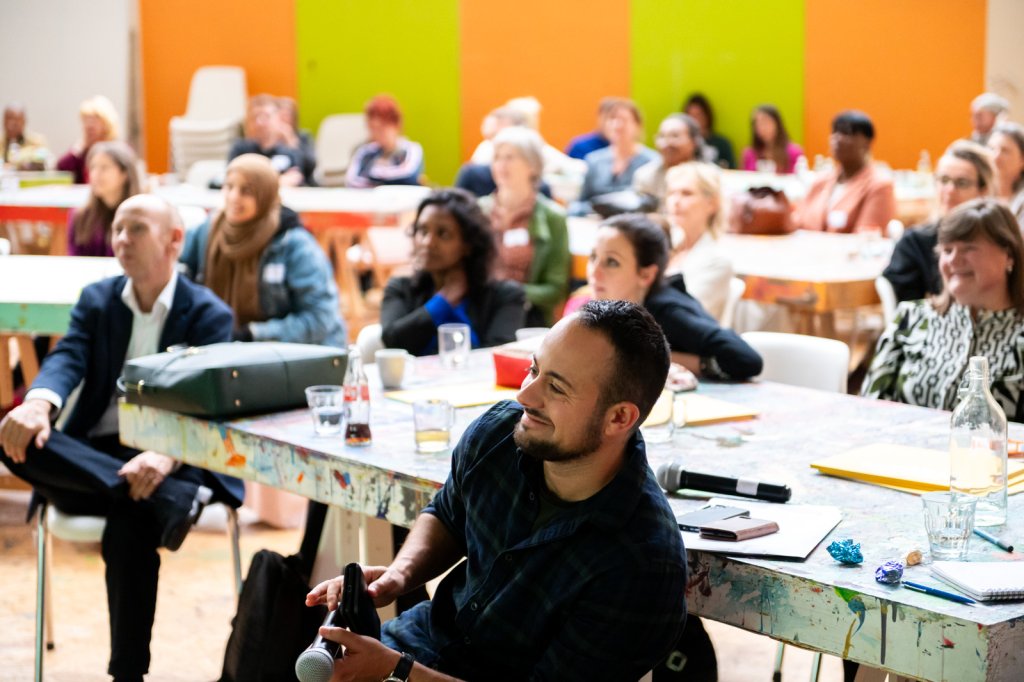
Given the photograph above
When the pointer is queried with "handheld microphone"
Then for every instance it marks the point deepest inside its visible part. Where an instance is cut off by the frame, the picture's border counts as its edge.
(672, 477)
(316, 663)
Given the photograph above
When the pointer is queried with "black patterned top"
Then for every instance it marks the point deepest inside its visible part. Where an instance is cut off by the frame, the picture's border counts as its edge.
(922, 357)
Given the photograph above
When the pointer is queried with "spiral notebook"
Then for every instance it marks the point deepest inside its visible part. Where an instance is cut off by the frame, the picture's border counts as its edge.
(985, 581)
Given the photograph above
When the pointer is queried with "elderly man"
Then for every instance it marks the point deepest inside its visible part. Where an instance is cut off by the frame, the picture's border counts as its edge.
(149, 500)
(574, 566)
(21, 148)
(987, 109)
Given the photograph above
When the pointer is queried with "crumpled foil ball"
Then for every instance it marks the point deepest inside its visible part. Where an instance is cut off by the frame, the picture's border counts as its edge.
(889, 573)
(846, 551)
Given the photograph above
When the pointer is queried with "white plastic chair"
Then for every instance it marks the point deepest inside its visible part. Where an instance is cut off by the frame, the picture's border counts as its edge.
(336, 141)
(201, 173)
(217, 92)
(799, 360)
(369, 342)
(217, 101)
(888, 297)
(51, 522)
(737, 287)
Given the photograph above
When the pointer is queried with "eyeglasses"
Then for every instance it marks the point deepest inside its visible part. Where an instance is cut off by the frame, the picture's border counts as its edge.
(959, 183)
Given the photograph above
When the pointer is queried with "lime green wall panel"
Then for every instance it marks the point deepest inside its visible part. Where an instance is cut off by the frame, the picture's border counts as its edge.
(740, 53)
(351, 50)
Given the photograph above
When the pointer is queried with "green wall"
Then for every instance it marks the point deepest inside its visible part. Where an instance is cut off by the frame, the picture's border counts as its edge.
(351, 50)
(714, 46)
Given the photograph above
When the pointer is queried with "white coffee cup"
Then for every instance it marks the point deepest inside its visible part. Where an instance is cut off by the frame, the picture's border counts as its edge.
(391, 363)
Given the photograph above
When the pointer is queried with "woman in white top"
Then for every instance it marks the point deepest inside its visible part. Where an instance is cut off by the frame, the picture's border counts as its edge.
(697, 212)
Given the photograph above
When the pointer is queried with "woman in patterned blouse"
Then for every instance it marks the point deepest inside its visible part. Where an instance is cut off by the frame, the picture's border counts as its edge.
(922, 357)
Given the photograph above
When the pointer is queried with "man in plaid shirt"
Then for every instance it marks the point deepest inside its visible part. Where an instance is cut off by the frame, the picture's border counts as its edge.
(574, 568)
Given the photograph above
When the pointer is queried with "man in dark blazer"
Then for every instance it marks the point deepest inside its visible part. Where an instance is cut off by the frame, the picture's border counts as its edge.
(149, 499)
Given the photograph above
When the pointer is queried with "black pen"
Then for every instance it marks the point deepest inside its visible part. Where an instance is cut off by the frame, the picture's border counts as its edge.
(993, 539)
(935, 592)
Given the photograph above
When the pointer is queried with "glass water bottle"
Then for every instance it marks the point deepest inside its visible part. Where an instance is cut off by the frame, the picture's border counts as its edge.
(977, 447)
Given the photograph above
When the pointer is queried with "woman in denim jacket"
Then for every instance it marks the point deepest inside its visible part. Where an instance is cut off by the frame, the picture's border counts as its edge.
(257, 257)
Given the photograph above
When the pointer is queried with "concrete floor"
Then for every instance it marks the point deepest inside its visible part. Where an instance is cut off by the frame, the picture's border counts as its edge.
(195, 607)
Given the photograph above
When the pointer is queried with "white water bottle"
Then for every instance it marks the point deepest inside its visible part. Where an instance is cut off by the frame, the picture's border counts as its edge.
(977, 447)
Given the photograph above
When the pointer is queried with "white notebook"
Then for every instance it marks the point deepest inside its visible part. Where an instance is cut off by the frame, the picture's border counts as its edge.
(984, 580)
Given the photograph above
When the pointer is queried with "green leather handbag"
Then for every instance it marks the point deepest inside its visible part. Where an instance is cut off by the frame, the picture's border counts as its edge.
(231, 379)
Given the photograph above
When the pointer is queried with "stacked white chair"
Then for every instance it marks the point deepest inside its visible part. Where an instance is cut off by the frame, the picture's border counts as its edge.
(336, 141)
(217, 100)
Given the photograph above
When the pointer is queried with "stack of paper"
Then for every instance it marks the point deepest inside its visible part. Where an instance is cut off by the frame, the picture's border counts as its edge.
(909, 469)
(461, 395)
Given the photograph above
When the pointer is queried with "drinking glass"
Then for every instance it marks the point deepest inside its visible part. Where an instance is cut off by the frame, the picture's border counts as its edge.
(453, 344)
(660, 423)
(948, 520)
(433, 420)
(327, 406)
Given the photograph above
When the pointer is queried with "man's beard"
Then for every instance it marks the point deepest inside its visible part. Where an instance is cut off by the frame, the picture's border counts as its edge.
(546, 451)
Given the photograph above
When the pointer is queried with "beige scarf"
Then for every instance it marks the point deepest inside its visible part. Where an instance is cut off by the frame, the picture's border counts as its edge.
(234, 250)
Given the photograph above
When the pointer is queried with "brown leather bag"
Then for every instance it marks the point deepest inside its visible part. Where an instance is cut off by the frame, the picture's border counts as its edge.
(761, 210)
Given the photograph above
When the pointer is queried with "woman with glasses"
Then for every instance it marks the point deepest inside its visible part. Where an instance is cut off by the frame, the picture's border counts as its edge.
(963, 173)
(855, 196)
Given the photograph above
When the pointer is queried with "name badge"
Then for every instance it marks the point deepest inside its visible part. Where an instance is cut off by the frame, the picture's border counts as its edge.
(836, 219)
(517, 236)
(273, 273)
(281, 162)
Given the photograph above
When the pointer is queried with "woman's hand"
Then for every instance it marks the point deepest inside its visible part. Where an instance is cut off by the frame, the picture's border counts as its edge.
(680, 379)
(454, 287)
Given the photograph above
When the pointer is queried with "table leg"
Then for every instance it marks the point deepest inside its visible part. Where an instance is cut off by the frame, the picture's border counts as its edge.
(6, 374)
(27, 357)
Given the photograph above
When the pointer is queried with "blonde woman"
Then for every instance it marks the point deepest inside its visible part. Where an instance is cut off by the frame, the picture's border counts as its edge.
(100, 123)
(696, 211)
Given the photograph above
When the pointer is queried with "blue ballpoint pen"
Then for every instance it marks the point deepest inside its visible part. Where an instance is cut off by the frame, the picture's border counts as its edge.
(935, 592)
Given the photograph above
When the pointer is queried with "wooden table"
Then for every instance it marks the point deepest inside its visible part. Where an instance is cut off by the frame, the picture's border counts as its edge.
(37, 294)
(815, 603)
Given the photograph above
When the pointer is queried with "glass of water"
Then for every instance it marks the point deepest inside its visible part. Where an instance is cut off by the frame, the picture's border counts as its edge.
(948, 520)
(453, 344)
(327, 406)
(660, 424)
(433, 420)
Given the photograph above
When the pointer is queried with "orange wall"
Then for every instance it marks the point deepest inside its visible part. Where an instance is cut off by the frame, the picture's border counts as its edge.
(565, 56)
(912, 65)
(180, 36)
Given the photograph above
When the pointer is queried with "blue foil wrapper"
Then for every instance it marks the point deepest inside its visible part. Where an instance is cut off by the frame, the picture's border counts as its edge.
(889, 573)
(846, 551)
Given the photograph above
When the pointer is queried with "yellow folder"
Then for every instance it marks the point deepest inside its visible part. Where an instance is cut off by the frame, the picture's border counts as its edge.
(901, 467)
(701, 410)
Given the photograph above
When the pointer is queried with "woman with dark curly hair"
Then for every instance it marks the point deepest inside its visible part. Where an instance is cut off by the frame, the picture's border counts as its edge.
(453, 257)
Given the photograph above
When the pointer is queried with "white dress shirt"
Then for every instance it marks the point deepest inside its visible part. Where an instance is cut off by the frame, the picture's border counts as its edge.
(144, 340)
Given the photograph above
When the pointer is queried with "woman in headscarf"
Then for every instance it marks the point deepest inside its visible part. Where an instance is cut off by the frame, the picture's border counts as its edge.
(257, 257)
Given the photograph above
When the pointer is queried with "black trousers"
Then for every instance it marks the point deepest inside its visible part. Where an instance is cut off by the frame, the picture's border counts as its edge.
(80, 477)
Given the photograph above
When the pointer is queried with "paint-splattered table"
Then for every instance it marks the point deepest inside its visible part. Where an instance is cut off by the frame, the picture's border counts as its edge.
(814, 603)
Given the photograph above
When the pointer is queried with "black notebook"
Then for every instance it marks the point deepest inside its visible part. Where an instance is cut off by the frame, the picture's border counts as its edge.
(984, 580)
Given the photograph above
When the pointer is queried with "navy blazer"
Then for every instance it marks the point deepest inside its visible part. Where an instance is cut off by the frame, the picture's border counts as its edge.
(93, 350)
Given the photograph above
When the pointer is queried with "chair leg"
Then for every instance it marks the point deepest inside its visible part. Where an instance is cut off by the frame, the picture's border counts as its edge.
(236, 554)
(48, 591)
(815, 666)
(777, 672)
(41, 601)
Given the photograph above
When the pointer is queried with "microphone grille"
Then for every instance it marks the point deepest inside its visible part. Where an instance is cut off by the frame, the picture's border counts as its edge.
(314, 665)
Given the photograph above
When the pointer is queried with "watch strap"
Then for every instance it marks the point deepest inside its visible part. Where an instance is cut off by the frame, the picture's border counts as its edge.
(402, 670)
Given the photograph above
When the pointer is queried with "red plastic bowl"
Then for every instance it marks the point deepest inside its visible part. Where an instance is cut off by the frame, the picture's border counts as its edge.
(510, 368)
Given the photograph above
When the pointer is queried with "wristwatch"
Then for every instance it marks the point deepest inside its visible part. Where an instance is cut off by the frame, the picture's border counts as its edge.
(402, 670)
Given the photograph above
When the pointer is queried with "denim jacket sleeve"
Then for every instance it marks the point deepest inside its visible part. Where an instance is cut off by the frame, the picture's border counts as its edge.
(312, 314)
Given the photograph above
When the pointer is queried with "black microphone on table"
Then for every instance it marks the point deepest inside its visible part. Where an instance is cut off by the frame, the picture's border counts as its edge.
(672, 477)
(316, 663)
